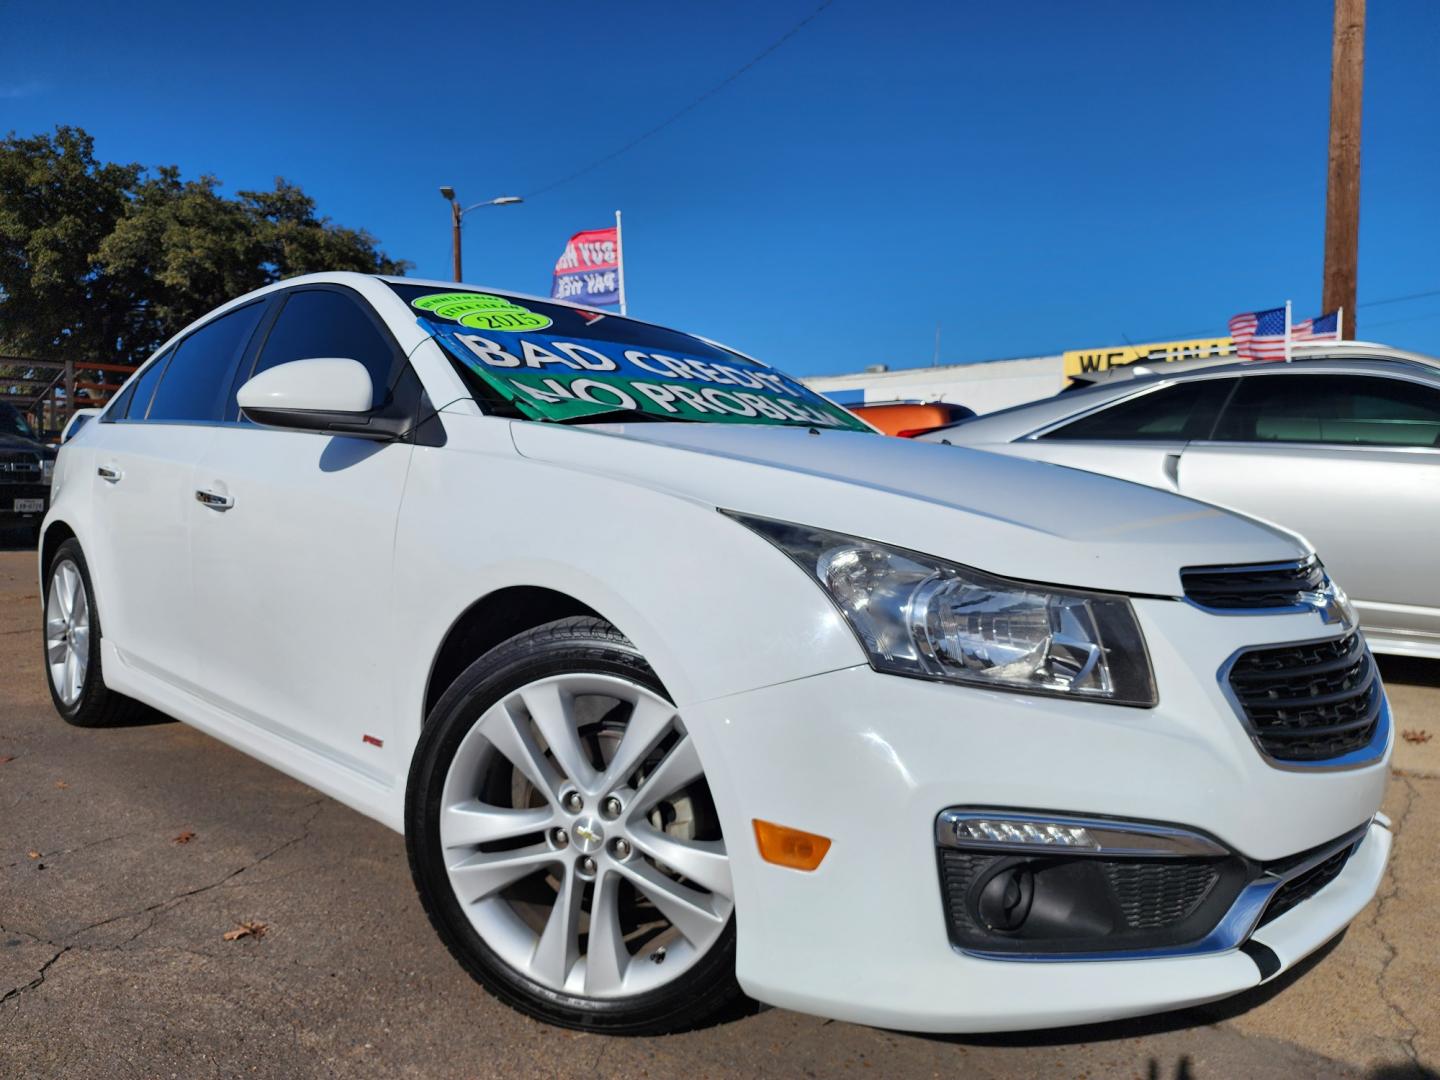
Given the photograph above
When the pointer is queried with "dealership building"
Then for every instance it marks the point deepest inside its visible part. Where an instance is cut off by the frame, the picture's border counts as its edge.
(988, 385)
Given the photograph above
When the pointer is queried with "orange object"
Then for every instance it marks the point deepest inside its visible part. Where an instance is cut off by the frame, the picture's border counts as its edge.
(907, 419)
(785, 846)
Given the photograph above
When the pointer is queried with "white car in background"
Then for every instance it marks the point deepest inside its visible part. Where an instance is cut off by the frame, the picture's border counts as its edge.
(1342, 445)
(667, 711)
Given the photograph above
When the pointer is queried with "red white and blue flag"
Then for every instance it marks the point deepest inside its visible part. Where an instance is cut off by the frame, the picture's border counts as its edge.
(588, 272)
(1320, 328)
(1261, 335)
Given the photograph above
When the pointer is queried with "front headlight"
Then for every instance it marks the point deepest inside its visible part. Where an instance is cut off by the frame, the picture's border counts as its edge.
(922, 616)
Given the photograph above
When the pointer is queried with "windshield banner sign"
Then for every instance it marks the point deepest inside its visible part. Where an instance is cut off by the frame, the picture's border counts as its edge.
(550, 378)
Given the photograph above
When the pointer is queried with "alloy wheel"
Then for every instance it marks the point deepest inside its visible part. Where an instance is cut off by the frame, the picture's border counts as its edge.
(67, 631)
(579, 837)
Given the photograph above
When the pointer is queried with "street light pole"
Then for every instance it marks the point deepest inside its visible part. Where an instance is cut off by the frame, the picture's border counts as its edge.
(457, 215)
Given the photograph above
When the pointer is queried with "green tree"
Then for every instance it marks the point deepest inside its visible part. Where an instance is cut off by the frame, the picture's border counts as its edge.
(57, 206)
(103, 262)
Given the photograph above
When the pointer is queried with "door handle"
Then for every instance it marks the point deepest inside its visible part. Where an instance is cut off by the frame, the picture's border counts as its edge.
(213, 499)
(109, 475)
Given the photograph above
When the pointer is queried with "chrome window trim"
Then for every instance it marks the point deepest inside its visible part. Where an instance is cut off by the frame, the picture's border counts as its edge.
(1282, 444)
(1232, 931)
(1129, 838)
(1422, 375)
(1359, 758)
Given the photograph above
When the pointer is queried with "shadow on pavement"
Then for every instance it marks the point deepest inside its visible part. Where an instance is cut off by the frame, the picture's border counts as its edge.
(1413, 1071)
(1410, 670)
(22, 539)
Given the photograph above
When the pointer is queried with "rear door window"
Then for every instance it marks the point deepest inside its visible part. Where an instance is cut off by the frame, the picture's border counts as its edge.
(1180, 412)
(194, 384)
(1345, 410)
(143, 389)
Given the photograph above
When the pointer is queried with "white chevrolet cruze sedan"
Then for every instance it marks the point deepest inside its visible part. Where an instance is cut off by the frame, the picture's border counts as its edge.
(681, 683)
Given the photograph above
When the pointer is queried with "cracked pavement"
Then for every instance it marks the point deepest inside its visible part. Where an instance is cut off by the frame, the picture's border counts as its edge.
(112, 963)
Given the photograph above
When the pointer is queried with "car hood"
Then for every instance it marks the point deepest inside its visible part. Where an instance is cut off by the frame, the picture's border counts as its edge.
(1009, 516)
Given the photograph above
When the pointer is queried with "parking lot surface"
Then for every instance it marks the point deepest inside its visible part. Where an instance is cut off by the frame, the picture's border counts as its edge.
(127, 855)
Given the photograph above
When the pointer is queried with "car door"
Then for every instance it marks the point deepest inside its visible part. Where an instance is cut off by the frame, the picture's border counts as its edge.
(1350, 461)
(1139, 438)
(292, 553)
(144, 495)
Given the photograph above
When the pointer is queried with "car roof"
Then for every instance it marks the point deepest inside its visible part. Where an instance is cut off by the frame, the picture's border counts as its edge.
(1019, 420)
(1361, 364)
(1317, 350)
(352, 277)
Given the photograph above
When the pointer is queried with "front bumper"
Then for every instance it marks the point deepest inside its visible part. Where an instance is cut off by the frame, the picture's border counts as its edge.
(27, 492)
(870, 760)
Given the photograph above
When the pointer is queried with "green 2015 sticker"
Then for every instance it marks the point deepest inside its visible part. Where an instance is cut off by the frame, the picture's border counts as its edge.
(482, 311)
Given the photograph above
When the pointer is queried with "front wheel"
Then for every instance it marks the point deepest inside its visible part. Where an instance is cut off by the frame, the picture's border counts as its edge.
(563, 839)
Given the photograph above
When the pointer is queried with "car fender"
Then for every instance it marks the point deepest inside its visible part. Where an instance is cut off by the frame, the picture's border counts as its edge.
(714, 608)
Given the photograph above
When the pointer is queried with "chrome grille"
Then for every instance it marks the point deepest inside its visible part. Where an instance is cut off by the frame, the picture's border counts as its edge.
(1271, 585)
(19, 467)
(1309, 702)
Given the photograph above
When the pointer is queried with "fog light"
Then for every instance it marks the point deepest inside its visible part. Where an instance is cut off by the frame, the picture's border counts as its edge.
(985, 831)
(1006, 898)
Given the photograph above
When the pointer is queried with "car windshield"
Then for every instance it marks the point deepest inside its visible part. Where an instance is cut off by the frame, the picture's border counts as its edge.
(550, 362)
(12, 422)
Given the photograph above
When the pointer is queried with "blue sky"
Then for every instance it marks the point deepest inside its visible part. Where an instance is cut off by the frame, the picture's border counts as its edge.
(1034, 176)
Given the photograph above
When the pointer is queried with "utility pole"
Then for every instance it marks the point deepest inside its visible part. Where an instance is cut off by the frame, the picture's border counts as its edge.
(1342, 193)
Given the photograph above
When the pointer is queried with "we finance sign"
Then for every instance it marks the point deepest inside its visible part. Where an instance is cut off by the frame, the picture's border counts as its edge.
(1090, 361)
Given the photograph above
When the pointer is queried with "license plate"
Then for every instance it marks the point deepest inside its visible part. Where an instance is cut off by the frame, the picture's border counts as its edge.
(29, 506)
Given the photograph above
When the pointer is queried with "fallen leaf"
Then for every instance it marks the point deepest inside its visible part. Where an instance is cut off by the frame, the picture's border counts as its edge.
(184, 838)
(32, 854)
(1415, 735)
(246, 929)
(61, 784)
(5, 759)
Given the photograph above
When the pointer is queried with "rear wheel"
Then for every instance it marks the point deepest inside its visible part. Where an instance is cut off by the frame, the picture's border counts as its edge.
(72, 646)
(563, 839)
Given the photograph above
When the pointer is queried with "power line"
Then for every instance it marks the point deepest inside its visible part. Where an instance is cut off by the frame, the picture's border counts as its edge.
(706, 96)
(1398, 299)
(1407, 319)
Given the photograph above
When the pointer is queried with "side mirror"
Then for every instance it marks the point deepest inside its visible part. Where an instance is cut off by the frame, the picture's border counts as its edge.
(326, 394)
(78, 419)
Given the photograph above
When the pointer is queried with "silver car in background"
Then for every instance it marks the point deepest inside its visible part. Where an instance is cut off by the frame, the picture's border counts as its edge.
(1341, 445)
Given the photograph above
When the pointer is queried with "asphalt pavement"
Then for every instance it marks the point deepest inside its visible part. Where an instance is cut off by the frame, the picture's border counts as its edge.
(128, 855)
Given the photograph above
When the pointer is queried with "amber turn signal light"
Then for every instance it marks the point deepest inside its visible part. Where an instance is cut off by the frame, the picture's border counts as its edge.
(784, 846)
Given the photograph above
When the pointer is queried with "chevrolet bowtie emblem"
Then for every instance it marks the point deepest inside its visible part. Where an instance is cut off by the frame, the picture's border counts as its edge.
(1330, 604)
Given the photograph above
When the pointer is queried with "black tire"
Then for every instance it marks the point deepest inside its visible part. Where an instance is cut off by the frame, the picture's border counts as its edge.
(97, 706)
(578, 644)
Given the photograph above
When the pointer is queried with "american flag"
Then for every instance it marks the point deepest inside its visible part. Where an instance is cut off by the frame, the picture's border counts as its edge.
(1260, 335)
(1320, 328)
